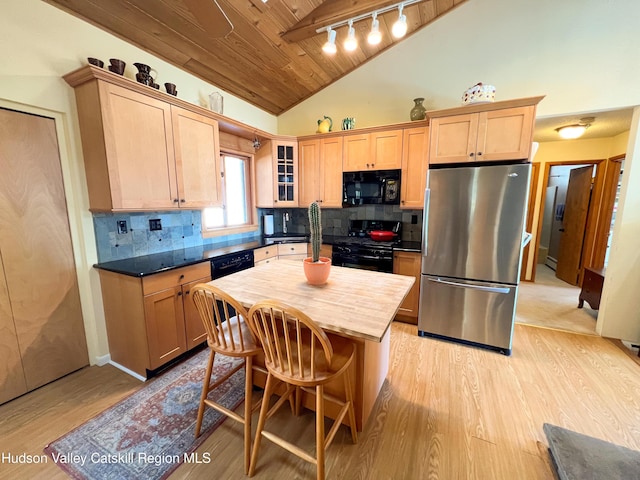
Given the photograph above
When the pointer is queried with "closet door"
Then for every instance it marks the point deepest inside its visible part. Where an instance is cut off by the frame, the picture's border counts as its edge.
(12, 381)
(35, 242)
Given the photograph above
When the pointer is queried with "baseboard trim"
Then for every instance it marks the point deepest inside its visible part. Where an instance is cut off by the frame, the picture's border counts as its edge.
(127, 371)
(102, 360)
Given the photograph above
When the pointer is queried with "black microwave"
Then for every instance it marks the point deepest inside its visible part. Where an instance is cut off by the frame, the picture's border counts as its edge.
(381, 187)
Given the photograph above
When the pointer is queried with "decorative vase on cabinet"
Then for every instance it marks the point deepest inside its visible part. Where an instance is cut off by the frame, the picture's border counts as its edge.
(418, 112)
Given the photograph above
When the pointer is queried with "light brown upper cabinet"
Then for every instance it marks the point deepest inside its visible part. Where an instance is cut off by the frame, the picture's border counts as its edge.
(145, 154)
(415, 162)
(320, 163)
(489, 132)
(381, 150)
(276, 167)
(197, 150)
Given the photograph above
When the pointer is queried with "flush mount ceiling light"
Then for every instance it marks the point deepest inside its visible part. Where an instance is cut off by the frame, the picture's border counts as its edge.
(399, 28)
(575, 130)
(330, 46)
(374, 37)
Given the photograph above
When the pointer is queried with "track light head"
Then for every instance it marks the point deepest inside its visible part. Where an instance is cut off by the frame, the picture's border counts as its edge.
(374, 37)
(399, 28)
(351, 43)
(330, 45)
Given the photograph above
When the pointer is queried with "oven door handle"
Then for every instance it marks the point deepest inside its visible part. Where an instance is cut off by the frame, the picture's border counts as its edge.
(370, 257)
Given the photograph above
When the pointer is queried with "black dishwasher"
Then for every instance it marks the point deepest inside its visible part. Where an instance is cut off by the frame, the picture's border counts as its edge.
(231, 263)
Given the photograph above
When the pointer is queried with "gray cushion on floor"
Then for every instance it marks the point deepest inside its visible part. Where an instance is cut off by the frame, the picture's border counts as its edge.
(580, 457)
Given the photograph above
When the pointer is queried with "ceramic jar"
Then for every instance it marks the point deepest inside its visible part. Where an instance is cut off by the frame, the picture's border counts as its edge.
(418, 112)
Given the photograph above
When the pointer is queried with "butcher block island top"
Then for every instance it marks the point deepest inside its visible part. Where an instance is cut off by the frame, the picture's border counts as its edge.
(356, 303)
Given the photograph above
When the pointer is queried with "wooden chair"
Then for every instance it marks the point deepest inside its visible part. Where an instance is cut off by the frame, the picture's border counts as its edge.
(227, 334)
(298, 353)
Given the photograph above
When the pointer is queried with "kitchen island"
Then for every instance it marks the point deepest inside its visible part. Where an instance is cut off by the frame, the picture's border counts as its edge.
(356, 304)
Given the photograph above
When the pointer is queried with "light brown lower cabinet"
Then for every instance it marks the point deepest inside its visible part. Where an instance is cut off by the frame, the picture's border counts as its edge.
(152, 320)
(409, 263)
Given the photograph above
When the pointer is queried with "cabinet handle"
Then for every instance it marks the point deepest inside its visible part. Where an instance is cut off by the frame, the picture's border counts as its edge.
(367, 165)
(180, 293)
(175, 200)
(181, 277)
(187, 292)
(182, 200)
(471, 154)
(373, 165)
(479, 153)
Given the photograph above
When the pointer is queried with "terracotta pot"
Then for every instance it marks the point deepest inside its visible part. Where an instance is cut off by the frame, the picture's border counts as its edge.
(317, 273)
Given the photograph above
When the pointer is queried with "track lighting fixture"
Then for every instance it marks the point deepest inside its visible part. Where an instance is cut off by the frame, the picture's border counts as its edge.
(374, 37)
(330, 46)
(399, 28)
(350, 44)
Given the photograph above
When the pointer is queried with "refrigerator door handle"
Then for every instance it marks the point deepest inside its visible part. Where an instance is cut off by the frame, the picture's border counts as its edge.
(468, 285)
(425, 222)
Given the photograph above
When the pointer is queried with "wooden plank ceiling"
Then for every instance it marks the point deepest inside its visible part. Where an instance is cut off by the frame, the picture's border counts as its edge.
(272, 58)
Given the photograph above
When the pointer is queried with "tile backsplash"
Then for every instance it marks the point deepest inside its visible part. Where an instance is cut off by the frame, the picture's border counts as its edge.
(335, 221)
(179, 230)
(182, 229)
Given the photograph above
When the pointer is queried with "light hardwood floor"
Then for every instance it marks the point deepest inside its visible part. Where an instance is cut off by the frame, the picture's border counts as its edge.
(446, 411)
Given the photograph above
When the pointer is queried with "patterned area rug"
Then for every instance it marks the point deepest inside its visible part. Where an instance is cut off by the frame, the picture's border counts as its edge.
(150, 433)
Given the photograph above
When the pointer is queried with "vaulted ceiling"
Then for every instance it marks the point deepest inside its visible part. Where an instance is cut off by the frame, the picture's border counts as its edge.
(272, 55)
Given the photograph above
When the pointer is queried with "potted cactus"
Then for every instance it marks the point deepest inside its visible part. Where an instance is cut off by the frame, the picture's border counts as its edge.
(316, 268)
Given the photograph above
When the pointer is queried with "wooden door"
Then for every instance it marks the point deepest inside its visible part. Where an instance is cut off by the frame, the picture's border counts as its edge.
(37, 252)
(453, 139)
(574, 223)
(415, 162)
(197, 153)
(505, 134)
(139, 144)
(308, 164)
(533, 184)
(12, 382)
(330, 169)
(386, 150)
(356, 152)
(193, 326)
(164, 318)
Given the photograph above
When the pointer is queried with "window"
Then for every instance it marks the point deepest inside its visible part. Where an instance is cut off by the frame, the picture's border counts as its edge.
(236, 201)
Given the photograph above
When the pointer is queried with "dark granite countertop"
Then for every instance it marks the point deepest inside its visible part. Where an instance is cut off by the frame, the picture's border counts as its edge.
(160, 262)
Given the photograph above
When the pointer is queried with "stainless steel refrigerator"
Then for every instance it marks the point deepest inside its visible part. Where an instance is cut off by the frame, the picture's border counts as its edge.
(474, 219)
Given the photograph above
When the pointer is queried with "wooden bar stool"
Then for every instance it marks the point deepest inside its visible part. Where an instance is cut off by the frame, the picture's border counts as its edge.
(298, 353)
(227, 333)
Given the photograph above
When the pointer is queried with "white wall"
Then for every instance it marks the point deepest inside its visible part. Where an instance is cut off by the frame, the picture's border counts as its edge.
(581, 54)
(40, 44)
(619, 315)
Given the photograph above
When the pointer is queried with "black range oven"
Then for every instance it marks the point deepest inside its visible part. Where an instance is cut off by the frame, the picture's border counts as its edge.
(367, 257)
(358, 250)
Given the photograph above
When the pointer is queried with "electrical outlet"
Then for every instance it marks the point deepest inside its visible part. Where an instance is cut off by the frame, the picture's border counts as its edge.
(155, 224)
(122, 227)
